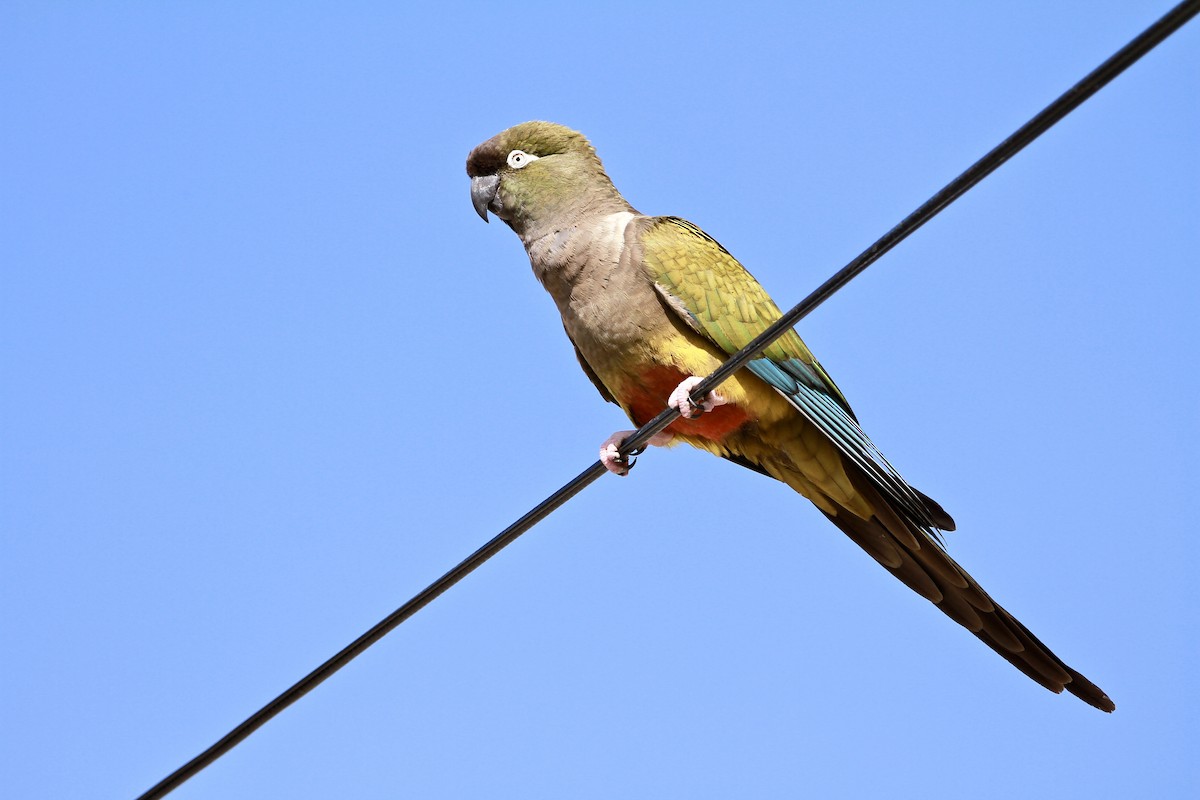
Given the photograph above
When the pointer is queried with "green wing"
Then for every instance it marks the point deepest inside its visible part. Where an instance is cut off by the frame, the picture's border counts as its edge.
(722, 301)
(714, 294)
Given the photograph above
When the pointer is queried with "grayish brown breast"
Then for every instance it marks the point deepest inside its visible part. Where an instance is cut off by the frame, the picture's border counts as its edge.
(607, 302)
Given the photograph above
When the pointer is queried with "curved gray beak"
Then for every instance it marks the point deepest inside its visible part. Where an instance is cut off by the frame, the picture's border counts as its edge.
(483, 191)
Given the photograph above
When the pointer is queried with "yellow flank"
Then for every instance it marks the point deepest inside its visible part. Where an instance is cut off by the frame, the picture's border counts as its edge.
(730, 308)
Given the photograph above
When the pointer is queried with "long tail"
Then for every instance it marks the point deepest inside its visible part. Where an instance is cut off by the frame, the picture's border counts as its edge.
(919, 561)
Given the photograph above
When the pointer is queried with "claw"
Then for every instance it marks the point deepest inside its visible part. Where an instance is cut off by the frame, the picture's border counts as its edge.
(681, 399)
(610, 455)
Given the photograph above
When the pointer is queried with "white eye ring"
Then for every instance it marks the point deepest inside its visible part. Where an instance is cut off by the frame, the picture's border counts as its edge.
(519, 159)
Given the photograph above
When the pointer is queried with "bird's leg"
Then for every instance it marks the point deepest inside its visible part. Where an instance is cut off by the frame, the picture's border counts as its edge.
(681, 400)
(614, 462)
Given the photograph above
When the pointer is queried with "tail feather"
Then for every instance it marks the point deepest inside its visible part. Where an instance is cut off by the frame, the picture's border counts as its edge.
(902, 535)
(929, 571)
(938, 514)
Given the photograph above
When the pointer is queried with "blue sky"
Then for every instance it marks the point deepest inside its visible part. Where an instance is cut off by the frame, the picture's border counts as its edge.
(266, 375)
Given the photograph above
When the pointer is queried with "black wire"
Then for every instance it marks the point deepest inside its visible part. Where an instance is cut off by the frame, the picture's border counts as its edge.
(1066, 103)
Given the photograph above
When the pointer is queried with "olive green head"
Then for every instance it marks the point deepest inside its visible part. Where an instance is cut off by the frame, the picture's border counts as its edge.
(536, 172)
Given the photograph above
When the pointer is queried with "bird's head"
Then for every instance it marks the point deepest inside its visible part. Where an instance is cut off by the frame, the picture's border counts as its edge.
(537, 174)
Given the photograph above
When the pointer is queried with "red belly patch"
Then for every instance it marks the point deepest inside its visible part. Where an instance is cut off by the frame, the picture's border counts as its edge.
(647, 397)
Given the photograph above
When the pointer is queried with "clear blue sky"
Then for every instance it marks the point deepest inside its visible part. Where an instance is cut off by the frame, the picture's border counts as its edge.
(266, 375)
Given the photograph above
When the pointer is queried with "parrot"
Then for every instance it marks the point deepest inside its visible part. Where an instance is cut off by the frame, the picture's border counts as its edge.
(653, 303)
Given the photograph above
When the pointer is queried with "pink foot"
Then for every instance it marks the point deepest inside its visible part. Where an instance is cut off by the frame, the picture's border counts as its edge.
(613, 461)
(681, 401)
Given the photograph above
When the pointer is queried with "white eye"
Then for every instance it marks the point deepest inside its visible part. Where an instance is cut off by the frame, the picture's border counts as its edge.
(518, 159)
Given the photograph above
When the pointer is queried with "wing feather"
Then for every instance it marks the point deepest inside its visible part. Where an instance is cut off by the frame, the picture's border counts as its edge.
(713, 294)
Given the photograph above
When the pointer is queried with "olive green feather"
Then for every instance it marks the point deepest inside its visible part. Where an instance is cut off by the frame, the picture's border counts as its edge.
(719, 299)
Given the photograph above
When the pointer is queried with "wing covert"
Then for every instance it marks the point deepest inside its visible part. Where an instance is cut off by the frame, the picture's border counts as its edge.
(713, 293)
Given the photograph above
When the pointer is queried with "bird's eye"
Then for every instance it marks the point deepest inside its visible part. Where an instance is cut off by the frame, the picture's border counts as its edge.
(518, 159)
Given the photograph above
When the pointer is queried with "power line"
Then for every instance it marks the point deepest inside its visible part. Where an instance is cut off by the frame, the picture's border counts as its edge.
(1067, 102)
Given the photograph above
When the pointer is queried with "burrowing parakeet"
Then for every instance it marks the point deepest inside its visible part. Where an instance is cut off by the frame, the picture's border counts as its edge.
(653, 303)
